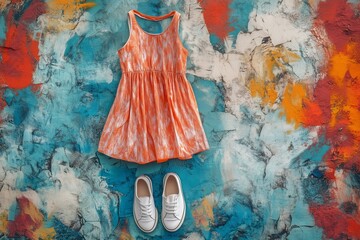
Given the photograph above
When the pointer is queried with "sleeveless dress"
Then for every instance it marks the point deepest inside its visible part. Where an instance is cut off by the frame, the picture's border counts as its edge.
(154, 116)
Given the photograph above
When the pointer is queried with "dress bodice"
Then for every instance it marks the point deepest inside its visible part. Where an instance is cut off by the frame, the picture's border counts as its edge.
(146, 51)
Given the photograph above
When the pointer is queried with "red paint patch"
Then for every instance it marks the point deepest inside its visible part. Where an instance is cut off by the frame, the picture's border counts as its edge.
(27, 221)
(20, 51)
(317, 111)
(340, 20)
(216, 15)
(337, 223)
(336, 107)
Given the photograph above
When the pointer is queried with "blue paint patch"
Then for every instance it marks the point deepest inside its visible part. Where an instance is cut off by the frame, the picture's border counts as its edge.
(313, 155)
(203, 89)
(2, 29)
(13, 211)
(23, 7)
(353, 180)
(240, 16)
(238, 220)
(316, 188)
(305, 232)
(65, 232)
(315, 185)
(20, 102)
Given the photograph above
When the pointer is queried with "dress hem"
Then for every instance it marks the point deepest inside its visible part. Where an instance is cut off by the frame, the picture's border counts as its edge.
(118, 157)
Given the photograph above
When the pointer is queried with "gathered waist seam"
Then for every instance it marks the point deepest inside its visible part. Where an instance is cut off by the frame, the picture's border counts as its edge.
(151, 70)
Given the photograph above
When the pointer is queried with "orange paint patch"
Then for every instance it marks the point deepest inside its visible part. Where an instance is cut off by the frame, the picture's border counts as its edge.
(266, 92)
(257, 89)
(292, 103)
(203, 212)
(339, 66)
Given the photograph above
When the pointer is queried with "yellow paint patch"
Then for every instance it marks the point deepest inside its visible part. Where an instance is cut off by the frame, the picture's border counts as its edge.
(63, 14)
(292, 103)
(268, 61)
(4, 222)
(45, 233)
(203, 212)
(276, 58)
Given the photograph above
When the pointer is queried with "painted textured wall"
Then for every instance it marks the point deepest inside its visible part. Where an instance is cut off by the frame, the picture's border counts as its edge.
(278, 88)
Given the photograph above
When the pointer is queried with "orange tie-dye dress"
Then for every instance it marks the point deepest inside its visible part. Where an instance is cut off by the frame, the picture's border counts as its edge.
(154, 116)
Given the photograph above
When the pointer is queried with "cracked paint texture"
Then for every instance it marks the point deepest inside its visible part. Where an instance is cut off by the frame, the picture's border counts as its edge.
(277, 85)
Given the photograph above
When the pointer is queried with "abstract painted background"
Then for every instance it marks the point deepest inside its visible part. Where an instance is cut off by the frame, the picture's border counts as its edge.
(278, 88)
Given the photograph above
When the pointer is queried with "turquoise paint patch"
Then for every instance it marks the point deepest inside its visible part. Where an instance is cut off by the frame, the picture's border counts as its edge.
(13, 211)
(305, 232)
(240, 16)
(64, 231)
(238, 220)
(314, 154)
(203, 89)
(315, 188)
(21, 102)
(2, 29)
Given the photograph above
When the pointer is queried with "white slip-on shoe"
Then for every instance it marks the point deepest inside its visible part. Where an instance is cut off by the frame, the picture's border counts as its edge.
(173, 203)
(144, 210)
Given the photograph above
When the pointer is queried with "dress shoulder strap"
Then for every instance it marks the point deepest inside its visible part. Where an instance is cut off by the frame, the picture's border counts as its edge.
(130, 19)
(154, 18)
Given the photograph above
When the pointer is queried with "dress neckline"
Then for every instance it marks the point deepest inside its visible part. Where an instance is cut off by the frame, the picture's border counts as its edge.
(154, 18)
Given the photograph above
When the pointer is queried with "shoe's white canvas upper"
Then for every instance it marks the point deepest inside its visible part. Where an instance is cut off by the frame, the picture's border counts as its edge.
(173, 206)
(145, 213)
